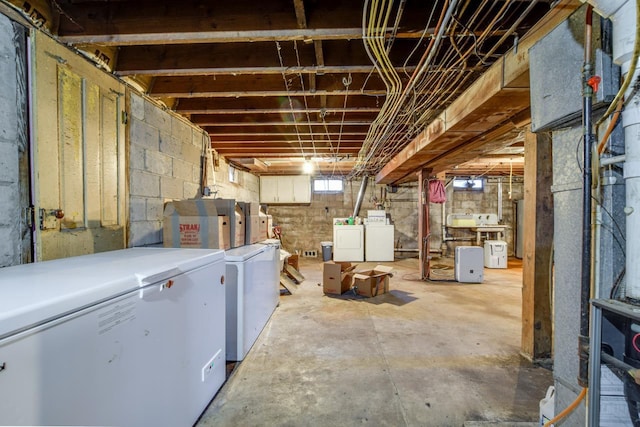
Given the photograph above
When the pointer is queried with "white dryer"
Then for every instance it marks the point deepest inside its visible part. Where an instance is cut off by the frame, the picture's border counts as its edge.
(348, 243)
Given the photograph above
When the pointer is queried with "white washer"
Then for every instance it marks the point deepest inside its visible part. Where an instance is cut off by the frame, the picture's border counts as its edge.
(379, 239)
(348, 243)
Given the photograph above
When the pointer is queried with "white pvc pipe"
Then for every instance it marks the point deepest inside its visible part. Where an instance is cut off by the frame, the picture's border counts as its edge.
(606, 161)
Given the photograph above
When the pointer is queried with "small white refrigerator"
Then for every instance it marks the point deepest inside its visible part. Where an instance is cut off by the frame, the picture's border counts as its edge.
(253, 293)
(129, 338)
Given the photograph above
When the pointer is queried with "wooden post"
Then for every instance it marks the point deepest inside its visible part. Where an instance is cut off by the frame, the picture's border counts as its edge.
(538, 240)
(423, 221)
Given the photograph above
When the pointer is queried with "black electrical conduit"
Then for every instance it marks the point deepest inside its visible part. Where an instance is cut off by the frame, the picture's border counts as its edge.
(588, 143)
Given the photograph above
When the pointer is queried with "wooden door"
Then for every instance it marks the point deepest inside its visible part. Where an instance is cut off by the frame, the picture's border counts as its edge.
(79, 158)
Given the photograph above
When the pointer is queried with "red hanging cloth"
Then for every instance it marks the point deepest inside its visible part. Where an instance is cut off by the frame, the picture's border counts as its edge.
(437, 193)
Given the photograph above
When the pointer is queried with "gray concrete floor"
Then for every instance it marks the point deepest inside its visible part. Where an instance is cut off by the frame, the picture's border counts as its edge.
(425, 354)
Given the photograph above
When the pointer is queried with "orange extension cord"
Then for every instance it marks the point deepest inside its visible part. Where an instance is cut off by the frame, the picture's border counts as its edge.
(568, 409)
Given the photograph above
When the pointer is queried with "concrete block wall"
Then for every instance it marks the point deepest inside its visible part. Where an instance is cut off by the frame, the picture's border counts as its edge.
(305, 226)
(486, 201)
(247, 189)
(164, 165)
(13, 147)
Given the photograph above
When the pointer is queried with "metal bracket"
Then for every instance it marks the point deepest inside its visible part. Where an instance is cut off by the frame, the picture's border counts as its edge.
(29, 216)
(49, 218)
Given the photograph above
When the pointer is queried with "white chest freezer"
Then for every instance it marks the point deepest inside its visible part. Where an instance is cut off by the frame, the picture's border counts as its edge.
(348, 243)
(379, 240)
(469, 264)
(253, 293)
(129, 338)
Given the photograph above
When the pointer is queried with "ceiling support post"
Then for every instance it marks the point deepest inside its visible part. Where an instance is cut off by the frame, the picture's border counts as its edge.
(538, 247)
(424, 231)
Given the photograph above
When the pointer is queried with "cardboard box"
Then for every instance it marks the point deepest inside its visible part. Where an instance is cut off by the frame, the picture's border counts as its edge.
(239, 239)
(270, 233)
(370, 283)
(195, 224)
(337, 277)
(253, 227)
(264, 232)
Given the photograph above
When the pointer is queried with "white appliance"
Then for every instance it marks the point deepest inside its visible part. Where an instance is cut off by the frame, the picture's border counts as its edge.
(278, 245)
(253, 293)
(348, 242)
(469, 264)
(131, 337)
(495, 254)
(379, 240)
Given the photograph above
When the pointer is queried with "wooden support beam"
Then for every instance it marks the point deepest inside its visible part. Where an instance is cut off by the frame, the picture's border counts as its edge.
(317, 44)
(301, 16)
(538, 241)
(156, 22)
(423, 222)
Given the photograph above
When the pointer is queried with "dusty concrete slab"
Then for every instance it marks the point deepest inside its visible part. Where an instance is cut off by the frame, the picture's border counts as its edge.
(425, 354)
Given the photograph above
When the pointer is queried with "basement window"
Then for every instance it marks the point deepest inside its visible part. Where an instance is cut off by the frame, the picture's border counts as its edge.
(233, 174)
(328, 186)
(471, 184)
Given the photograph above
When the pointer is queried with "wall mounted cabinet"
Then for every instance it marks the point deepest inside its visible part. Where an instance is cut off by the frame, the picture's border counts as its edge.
(285, 189)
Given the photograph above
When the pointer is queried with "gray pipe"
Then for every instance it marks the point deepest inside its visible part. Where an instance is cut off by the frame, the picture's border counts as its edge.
(363, 188)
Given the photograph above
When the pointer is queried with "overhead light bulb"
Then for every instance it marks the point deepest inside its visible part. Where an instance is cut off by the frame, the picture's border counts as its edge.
(307, 167)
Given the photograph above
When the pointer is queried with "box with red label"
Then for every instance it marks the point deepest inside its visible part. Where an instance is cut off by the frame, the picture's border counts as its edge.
(195, 224)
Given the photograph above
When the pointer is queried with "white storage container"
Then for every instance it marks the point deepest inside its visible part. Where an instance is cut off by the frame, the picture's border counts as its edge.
(133, 337)
(469, 266)
(253, 293)
(547, 409)
(495, 254)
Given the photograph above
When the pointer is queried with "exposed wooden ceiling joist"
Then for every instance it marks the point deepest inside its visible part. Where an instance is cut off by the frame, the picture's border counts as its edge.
(265, 77)
(483, 113)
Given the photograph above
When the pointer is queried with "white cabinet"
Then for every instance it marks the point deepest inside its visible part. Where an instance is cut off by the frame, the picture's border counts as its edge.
(268, 189)
(285, 189)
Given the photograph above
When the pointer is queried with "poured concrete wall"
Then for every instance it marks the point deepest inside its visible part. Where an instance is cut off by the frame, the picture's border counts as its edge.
(164, 165)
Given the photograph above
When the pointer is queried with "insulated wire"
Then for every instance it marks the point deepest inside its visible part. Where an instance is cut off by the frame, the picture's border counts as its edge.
(395, 124)
(286, 85)
(304, 97)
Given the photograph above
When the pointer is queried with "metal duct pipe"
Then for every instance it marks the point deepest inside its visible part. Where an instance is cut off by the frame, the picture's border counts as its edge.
(363, 188)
